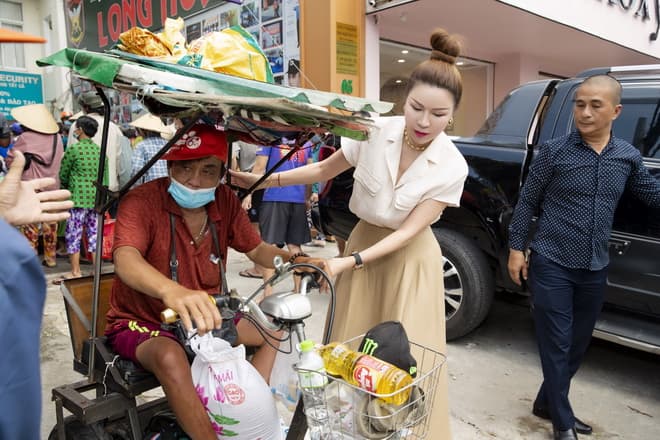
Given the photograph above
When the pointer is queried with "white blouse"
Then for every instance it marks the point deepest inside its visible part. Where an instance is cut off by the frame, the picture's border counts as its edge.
(438, 173)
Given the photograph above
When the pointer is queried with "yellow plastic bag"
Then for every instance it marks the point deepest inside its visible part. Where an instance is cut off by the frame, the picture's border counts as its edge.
(232, 51)
(172, 36)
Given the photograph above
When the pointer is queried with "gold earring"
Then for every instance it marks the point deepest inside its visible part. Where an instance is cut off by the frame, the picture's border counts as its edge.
(451, 121)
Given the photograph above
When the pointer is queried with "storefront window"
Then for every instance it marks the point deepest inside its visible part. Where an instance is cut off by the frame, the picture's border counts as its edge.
(398, 60)
(11, 17)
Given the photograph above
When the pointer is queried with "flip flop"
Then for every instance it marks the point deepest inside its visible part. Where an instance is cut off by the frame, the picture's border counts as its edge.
(59, 280)
(247, 274)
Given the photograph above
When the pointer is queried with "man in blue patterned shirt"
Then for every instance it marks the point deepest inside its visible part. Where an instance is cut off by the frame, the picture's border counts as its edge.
(574, 186)
(152, 130)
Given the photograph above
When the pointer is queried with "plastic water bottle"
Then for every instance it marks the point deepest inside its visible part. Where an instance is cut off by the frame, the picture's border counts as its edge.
(367, 372)
(312, 380)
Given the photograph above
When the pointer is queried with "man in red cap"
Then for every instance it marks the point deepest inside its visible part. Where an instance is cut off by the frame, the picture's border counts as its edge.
(166, 235)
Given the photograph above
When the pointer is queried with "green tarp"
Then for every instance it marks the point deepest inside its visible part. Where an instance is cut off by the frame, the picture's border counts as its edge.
(104, 68)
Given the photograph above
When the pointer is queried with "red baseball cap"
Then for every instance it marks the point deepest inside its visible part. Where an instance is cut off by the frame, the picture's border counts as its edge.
(200, 141)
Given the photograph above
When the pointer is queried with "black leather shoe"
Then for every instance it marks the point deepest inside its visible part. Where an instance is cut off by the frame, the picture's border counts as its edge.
(580, 426)
(569, 434)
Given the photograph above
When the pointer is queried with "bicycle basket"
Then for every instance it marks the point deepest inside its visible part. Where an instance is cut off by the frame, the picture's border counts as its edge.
(357, 414)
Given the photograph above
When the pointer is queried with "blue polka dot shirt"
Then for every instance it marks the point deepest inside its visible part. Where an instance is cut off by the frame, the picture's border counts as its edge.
(575, 191)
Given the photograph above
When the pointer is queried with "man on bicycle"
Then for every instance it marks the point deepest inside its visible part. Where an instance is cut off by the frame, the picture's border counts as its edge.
(169, 235)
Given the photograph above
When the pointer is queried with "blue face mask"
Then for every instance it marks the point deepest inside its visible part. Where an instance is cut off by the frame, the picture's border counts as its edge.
(190, 198)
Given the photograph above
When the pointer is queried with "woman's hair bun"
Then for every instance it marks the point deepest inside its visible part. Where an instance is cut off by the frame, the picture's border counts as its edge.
(445, 47)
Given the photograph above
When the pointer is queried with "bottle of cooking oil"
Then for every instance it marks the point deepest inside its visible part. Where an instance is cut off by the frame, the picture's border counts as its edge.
(366, 372)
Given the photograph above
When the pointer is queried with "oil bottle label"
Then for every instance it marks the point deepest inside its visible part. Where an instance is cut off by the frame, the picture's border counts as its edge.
(368, 371)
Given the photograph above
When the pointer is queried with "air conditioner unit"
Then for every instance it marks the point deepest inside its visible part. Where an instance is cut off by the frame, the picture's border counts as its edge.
(379, 5)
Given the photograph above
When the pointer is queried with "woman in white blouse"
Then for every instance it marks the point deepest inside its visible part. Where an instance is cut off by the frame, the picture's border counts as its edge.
(405, 175)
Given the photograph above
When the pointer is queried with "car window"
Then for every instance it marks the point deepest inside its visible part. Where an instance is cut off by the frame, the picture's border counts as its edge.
(639, 121)
(639, 124)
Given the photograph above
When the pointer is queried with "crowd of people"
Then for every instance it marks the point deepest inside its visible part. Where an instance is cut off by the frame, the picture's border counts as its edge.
(181, 214)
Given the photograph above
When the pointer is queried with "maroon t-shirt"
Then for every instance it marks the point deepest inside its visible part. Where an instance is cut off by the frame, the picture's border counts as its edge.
(143, 223)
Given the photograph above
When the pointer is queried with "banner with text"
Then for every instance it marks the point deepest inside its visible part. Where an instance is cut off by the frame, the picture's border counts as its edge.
(96, 24)
(17, 89)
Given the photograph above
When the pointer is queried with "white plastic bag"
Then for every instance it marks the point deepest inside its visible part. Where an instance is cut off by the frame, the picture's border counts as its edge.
(236, 397)
(284, 380)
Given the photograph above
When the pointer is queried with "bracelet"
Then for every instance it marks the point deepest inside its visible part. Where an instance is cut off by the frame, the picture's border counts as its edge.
(359, 264)
(293, 257)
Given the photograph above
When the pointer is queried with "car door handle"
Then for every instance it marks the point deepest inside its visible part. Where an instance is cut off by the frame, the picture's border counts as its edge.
(620, 246)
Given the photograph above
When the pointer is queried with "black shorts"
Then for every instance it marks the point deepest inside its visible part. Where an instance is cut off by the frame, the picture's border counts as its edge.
(284, 222)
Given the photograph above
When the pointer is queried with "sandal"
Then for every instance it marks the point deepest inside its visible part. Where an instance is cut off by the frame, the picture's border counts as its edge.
(58, 281)
(247, 273)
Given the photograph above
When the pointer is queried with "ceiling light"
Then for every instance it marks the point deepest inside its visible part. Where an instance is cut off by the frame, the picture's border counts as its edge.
(460, 63)
(404, 51)
(400, 60)
(398, 81)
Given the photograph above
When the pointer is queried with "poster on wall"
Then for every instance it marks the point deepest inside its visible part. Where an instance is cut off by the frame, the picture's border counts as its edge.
(270, 9)
(271, 35)
(274, 25)
(249, 14)
(291, 45)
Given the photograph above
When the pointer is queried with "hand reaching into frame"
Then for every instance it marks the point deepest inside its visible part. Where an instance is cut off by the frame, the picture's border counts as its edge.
(21, 203)
(244, 179)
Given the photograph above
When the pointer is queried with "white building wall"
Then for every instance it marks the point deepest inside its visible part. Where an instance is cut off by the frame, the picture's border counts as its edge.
(629, 23)
(46, 18)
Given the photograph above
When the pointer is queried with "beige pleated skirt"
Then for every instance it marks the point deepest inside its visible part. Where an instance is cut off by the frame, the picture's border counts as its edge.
(406, 285)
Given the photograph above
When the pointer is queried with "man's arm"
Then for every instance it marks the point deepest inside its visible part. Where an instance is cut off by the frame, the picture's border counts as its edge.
(528, 204)
(260, 165)
(643, 185)
(264, 253)
(190, 304)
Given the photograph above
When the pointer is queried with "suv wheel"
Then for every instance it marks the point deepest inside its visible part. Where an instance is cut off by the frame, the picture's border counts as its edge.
(469, 285)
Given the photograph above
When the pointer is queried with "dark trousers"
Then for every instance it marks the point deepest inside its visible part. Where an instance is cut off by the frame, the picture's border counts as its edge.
(566, 305)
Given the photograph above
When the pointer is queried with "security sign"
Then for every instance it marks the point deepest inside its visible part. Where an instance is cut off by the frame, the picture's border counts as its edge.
(18, 88)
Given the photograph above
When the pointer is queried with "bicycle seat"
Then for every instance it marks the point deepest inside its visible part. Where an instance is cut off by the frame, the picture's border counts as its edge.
(118, 374)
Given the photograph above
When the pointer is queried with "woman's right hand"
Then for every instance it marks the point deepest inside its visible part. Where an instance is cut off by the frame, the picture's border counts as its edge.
(243, 179)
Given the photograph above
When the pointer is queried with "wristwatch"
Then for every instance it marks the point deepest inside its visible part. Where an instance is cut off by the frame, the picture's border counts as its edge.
(359, 264)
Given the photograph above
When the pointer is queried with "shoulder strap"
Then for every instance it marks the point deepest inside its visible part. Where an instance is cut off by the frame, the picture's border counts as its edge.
(34, 158)
(174, 263)
(219, 258)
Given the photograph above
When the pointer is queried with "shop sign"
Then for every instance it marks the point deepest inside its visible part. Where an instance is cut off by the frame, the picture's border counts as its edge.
(96, 24)
(18, 88)
(629, 23)
(347, 49)
(640, 8)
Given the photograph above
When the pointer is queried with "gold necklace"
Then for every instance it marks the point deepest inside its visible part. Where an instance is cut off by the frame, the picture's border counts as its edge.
(201, 232)
(411, 145)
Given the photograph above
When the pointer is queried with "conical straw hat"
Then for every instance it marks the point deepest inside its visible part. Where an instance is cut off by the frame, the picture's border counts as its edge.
(36, 117)
(151, 123)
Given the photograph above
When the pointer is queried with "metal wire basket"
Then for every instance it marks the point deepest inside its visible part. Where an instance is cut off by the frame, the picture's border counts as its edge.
(357, 414)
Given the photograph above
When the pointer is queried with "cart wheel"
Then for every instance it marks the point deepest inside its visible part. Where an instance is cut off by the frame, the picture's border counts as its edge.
(75, 430)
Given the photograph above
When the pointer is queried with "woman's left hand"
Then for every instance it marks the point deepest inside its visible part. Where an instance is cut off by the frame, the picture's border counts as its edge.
(335, 266)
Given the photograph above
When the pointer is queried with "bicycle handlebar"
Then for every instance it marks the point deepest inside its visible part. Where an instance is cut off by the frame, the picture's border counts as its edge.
(279, 307)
